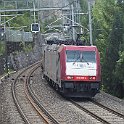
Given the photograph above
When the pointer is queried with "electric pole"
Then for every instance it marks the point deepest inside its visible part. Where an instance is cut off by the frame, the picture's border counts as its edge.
(73, 28)
(90, 22)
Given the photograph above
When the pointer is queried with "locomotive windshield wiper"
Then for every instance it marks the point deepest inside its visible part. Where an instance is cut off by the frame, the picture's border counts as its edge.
(84, 61)
(76, 59)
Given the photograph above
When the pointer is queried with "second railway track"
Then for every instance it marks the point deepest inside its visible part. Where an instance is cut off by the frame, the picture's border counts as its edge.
(27, 104)
(100, 112)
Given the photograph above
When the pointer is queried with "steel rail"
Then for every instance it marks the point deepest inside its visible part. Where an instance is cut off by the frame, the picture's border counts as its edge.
(37, 102)
(108, 109)
(23, 116)
(31, 99)
(89, 112)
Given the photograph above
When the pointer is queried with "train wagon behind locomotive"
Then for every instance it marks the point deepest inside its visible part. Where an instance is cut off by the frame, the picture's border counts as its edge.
(73, 70)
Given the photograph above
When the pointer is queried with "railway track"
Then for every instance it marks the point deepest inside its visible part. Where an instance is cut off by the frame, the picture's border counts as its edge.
(30, 109)
(100, 112)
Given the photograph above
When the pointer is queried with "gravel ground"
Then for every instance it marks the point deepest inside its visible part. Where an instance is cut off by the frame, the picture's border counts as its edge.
(8, 111)
(3, 107)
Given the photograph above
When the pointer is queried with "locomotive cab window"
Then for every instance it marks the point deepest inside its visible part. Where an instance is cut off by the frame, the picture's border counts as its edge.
(80, 56)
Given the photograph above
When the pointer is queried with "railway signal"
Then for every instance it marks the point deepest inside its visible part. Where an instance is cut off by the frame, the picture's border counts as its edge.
(35, 27)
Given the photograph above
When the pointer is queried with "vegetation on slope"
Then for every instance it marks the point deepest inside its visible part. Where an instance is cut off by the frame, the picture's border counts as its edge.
(108, 32)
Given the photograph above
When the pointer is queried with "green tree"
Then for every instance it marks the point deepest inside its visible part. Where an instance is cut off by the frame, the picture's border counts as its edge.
(103, 16)
(119, 71)
(22, 20)
(120, 67)
(108, 28)
(112, 56)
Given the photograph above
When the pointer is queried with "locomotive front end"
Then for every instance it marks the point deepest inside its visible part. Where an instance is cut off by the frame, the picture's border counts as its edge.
(82, 71)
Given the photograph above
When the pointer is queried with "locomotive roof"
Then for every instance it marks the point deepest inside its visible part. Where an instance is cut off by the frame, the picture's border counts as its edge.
(55, 47)
(74, 47)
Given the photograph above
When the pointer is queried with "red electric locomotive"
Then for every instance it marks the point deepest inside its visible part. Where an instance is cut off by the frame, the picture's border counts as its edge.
(73, 70)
